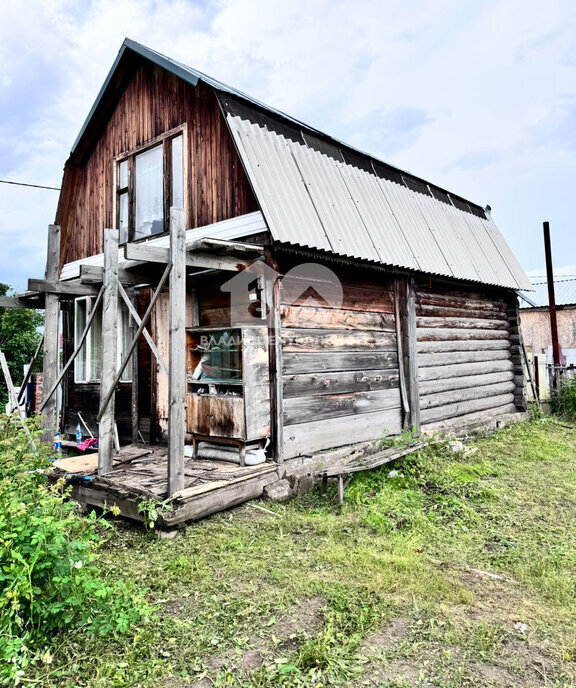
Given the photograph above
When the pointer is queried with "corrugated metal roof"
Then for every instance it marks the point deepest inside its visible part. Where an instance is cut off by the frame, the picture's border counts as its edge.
(564, 293)
(312, 198)
(319, 193)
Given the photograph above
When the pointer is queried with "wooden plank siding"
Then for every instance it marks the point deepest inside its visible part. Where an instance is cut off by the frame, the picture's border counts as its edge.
(340, 367)
(467, 353)
(153, 103)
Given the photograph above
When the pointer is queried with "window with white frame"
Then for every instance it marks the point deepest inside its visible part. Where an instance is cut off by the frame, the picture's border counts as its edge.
(88, 362)
(149, 181)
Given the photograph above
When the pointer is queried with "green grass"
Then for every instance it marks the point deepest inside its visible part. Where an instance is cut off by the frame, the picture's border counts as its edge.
(378, 593)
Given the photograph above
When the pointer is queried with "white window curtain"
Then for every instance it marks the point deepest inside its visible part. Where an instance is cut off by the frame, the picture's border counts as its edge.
(149, 191)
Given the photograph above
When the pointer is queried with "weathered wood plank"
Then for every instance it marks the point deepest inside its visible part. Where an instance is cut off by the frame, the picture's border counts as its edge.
(215, 415)
(462, 323)
(410, 338)
(51, 362)
(354, 298)
(452, 383)
(335, 319)
(323, 406)
(491, 418)
(461, 345)
(426, 360)
(332, 361)
(109, 351)
(311, 340)
(256, 382)
(427, 334)
(155, 254)
(460, 301)
(307, 438)
(464, 369)
(439, 413)
(461, 395)
(271, 301)
(177, 349)
(72, 288)
(339, 382)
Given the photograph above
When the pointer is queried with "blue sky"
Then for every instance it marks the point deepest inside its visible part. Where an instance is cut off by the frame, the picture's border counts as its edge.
(478, 97)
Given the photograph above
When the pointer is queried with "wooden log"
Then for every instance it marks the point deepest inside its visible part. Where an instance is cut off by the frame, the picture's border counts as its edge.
(453, 357)
(322, 406)
(461, 345)
(436, 414)
(487, 419)
(453, 383)
(109, 351)
(442, 312)
(335, 319)
(461, 395)
(307, 438)
(460, 301)
(335, 383)
(177, 347)
(427, 334)
(336, 340)
(463, 369)
(332, 361)
(51, 362)
(462, 323)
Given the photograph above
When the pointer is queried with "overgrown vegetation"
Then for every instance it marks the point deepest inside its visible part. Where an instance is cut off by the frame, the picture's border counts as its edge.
(391, 590)
(19, 337)
(563, 400)
(49, 579)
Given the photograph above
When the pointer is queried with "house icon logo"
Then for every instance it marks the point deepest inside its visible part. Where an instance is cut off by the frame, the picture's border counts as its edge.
(307, 284)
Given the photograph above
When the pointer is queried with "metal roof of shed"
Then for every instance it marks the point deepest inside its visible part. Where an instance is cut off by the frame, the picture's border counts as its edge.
(564, 292)
(319, 193)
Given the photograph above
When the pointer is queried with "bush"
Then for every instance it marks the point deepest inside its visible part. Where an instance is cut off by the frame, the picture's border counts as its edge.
(563, 401)
(49, 580)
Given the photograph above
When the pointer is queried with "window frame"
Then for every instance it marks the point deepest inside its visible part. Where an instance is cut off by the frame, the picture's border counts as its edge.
(165, 140)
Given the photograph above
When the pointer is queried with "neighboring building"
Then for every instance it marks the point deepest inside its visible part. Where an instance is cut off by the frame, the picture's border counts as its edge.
(535, 316)
(409, 317)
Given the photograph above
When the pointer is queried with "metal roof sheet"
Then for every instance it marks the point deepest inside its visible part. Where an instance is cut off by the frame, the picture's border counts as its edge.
(320, 193)
(311, 198)
(564, 293)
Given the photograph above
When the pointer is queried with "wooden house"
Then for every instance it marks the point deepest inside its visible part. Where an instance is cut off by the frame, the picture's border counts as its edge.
(276, 284)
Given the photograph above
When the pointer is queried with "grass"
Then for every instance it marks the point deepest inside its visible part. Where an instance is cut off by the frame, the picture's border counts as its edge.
(378, 593)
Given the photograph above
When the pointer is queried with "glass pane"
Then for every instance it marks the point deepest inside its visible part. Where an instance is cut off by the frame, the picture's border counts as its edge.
(123, 216)
(149, 193)
(124, 340)
(79, 325)
(220, 356)
(95, 362)
(123, 174)
(177, 173)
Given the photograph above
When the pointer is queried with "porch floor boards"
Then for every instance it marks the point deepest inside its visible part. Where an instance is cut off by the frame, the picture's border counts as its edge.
(139, 473)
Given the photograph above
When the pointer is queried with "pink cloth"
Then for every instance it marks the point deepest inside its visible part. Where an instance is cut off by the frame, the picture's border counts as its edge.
(90, 442)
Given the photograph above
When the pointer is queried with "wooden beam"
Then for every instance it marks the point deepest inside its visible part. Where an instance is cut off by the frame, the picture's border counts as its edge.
(177, 348)
(33, 301)
(109, 351)
(134, 392)
(147, 337)
(28, 374)
(71, 288)
(412, 358)
(156, 254)
(51, 336)
(13, 403)
(94, 274)
(271, 301)
(104, 404)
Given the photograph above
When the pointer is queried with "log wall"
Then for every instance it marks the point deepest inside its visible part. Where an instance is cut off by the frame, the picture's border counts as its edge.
(468, 354)
(339, 368)
(153, 102)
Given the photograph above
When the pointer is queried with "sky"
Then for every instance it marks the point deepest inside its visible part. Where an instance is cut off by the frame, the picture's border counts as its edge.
(477, 97)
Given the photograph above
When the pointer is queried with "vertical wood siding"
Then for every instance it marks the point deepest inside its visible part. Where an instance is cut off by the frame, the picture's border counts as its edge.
(154, 102)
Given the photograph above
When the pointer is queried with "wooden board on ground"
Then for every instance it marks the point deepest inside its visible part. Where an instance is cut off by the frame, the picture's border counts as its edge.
(86, 463)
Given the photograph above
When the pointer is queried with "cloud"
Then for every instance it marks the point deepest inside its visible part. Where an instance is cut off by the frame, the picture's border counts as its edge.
(477, 97)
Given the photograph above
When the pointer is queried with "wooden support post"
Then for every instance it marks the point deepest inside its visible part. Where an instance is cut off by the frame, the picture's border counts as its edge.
(405, 314)
(177, 348)
(109, 351)
(51, 336)
(134, 388)
(271, 302)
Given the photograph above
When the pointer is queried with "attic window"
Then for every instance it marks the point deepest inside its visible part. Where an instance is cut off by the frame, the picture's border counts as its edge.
(149, 181)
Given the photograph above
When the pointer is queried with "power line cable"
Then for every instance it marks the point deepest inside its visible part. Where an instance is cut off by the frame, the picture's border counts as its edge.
(34, 186)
